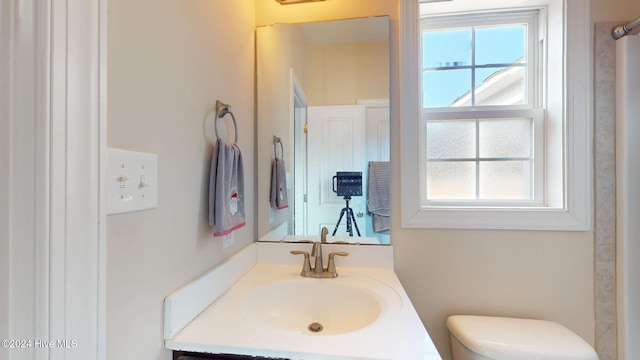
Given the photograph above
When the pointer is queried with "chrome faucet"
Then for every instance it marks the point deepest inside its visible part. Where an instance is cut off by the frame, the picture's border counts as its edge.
(318, 271)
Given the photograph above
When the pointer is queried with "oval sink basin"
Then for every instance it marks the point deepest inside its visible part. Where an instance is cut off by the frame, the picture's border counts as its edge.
(320, 306)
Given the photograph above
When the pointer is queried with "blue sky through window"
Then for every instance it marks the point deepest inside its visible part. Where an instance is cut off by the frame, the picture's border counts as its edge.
(452, 49)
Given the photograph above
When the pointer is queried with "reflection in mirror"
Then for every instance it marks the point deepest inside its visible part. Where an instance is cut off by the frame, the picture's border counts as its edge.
(323, 131)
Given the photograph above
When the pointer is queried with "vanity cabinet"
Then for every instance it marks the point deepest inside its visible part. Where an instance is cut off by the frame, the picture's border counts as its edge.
(184, 355)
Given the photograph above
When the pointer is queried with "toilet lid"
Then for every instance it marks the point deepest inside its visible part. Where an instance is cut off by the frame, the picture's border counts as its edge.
(523, 339)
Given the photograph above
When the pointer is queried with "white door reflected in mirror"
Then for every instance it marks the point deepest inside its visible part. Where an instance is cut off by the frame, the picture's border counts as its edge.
(336, 138)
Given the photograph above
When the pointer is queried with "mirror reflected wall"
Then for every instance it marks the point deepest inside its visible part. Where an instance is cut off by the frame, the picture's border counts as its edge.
(323, 130)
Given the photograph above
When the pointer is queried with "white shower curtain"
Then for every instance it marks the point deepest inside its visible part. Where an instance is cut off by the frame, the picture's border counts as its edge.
(628, 195)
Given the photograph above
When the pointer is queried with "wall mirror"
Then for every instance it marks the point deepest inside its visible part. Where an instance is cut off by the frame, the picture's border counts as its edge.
(323, 131)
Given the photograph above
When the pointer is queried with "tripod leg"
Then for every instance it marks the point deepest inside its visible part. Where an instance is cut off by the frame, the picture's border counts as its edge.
(349, 228)
(338, 223)
(350, 215)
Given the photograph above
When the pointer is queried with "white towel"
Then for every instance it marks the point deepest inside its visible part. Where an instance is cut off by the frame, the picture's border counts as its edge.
(378, 195)
(226, 189)
(279, 198)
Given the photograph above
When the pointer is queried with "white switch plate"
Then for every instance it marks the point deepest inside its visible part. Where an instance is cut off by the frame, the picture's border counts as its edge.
(227, 240)
(132, 181)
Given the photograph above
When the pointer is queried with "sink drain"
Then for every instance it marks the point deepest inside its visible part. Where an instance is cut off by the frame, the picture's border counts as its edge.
(315, 327)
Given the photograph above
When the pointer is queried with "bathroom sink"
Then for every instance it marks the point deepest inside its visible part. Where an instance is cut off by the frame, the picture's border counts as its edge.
(258, 304)
(323, 306)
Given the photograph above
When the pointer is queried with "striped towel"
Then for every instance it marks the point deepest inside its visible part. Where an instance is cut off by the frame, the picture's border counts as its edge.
(378, 195)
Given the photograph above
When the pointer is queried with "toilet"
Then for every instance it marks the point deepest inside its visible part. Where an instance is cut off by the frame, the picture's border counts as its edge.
(502, 338)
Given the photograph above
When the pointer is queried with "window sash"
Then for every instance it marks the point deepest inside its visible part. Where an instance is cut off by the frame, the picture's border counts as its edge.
(532, 59)
(537, 157)
(530, 108)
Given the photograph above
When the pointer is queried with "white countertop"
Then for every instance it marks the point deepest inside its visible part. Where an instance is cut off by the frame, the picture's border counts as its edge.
(226, 326)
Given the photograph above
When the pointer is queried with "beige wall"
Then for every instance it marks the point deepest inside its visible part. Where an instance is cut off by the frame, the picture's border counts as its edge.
(170, 60)
(342, 74)
(168, 63)
(544, 275)
(614, 10)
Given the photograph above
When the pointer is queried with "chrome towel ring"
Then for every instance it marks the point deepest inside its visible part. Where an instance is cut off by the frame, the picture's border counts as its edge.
(223, 109)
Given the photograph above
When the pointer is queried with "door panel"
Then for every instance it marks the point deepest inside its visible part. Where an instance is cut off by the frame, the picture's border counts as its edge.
(336, 142)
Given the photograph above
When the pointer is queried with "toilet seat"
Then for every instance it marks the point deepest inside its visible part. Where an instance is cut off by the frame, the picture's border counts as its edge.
(522, 339)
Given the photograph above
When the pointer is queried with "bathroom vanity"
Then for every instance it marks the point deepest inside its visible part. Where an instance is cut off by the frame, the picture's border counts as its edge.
(256, 305)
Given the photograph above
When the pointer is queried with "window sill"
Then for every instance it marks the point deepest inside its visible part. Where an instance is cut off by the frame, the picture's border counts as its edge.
(497, 219)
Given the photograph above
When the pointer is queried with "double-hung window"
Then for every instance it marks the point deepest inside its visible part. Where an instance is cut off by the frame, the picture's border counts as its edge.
(495, 114)
(482, 109)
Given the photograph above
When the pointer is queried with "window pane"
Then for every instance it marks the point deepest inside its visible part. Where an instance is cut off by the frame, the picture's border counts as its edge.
(441, 88)
(451, 180)
(500, 86)
(452, 139)
(505, 180)
(500, 138)
(500, 45)
(446, 48)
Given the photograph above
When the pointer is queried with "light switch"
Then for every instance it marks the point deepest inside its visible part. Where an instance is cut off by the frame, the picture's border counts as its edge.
(132, 181)
(227, 240)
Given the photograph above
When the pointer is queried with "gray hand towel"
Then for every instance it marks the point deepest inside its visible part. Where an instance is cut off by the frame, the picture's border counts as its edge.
(279, 198)
(226, 189)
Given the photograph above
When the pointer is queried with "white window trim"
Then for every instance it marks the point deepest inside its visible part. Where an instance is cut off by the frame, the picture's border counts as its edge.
(575, 214)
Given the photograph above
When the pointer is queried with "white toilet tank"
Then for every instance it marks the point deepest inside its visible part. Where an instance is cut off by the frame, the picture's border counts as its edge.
(500, 338)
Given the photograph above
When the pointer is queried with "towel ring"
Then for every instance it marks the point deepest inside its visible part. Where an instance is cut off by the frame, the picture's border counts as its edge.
(277, 140)
(223, 109)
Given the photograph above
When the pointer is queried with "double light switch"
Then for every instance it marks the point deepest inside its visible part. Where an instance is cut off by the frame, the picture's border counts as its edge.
(132, 181)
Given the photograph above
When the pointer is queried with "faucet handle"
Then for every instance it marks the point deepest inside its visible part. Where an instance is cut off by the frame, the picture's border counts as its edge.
(299, 252)
(339, 253)
(306, 265)
(331, 267)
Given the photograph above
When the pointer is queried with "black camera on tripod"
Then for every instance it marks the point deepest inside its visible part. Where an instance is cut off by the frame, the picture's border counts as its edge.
(347, 184)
